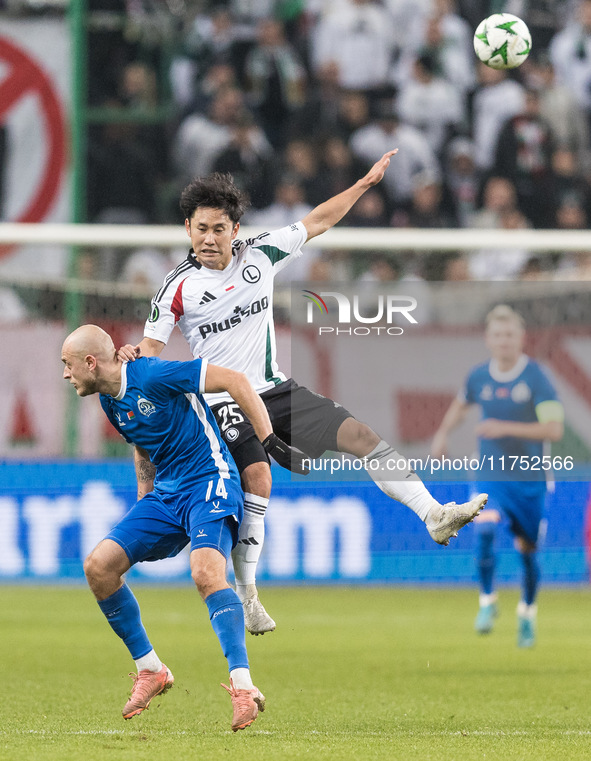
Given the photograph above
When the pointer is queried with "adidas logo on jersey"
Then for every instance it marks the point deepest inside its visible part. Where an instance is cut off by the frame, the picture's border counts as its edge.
(207, 297)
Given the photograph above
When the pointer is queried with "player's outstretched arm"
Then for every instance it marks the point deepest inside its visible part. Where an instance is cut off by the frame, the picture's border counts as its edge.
(327, 214)
(145, 471)
(241, 390)
(492, 428)
(147, 347)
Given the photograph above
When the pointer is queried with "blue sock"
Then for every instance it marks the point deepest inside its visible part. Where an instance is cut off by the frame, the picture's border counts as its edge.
(531, 576)
(485, 555)
(123, 613)
(227, 618)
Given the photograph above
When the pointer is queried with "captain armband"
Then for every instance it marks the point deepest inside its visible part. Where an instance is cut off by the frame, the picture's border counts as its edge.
(550, 411)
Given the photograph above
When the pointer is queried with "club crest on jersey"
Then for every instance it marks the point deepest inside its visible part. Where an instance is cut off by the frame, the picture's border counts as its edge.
(145, 407)
(251, 274)
(521, 392)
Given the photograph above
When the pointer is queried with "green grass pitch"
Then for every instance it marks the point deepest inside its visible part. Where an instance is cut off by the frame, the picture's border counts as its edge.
(350, 673)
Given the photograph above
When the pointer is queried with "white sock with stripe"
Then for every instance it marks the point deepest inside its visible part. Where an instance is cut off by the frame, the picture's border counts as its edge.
(251, 538)
(407, 488)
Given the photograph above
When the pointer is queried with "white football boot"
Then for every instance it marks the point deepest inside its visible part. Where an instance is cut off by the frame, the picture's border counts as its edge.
(444, 521)
(256, 618)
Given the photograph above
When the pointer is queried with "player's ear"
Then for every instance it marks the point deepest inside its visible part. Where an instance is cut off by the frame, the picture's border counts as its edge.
(188, 227)
(235, 230)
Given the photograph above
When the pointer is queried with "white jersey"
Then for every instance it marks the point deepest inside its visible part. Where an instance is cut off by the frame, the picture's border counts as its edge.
(227, 315)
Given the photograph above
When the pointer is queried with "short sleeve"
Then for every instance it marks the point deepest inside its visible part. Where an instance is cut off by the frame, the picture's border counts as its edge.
(160, 322)
(546, 403)
(283, 245)
(164, 378)
(467, 393)
(167, 305)
(543, 387)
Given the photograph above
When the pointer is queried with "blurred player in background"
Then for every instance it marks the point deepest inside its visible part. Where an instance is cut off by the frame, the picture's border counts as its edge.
(188, 490)
(521, 415)
(221, 296)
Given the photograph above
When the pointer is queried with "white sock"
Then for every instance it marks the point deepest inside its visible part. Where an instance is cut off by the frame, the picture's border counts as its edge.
(527, 611)
(407, 488)
(241, 679)
(484, 600)
(251, 538)
(151, 662)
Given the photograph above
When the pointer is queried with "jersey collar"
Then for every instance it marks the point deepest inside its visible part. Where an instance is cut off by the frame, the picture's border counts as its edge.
(123, 389)
(192, 259)
(508, 375)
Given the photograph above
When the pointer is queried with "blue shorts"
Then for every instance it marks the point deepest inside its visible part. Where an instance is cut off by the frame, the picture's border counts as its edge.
(160, 525)
(522, 504)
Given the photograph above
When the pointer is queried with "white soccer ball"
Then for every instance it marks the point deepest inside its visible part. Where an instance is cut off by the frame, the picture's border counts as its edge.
(502, 41)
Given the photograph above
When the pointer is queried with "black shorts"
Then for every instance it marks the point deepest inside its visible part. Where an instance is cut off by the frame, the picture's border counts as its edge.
(300, 417)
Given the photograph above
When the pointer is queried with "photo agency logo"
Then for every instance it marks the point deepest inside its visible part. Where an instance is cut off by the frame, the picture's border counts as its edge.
(387, 310)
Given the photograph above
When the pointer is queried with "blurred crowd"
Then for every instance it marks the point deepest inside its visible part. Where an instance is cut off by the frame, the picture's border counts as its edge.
(297, 98)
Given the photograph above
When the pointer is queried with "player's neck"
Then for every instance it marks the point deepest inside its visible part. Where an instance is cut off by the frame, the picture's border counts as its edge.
(505, 364)
(214, 263)
(110, 382)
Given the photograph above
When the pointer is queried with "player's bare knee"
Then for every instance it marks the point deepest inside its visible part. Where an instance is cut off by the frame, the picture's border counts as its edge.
(206, 582)
(201, 582)
(256, 479)
(89, 568)
(488, 516)
(97, 573)
(208, 571)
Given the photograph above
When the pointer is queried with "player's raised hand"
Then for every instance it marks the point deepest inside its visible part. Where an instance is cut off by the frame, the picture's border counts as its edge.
(128, 353)
(285, 456)
(378, 170)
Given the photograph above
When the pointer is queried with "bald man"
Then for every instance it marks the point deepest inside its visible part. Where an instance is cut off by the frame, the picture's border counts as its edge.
(188, 490)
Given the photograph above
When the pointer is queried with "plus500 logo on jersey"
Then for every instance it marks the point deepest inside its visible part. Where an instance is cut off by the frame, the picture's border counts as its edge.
(239, 314)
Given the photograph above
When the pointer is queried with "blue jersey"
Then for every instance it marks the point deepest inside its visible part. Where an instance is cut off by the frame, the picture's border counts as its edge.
(161, 409)
(513, 395)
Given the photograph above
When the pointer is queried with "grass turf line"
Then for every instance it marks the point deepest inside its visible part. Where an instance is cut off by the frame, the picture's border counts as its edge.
(350, 673)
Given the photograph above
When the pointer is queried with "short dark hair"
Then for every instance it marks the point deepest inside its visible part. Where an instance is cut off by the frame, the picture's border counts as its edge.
(216, 191)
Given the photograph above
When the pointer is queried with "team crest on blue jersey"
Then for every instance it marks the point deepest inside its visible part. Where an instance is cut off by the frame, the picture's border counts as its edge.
(521, 392)
(145, 407)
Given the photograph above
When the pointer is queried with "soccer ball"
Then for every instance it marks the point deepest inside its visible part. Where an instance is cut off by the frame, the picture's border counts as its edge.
(502, 41)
